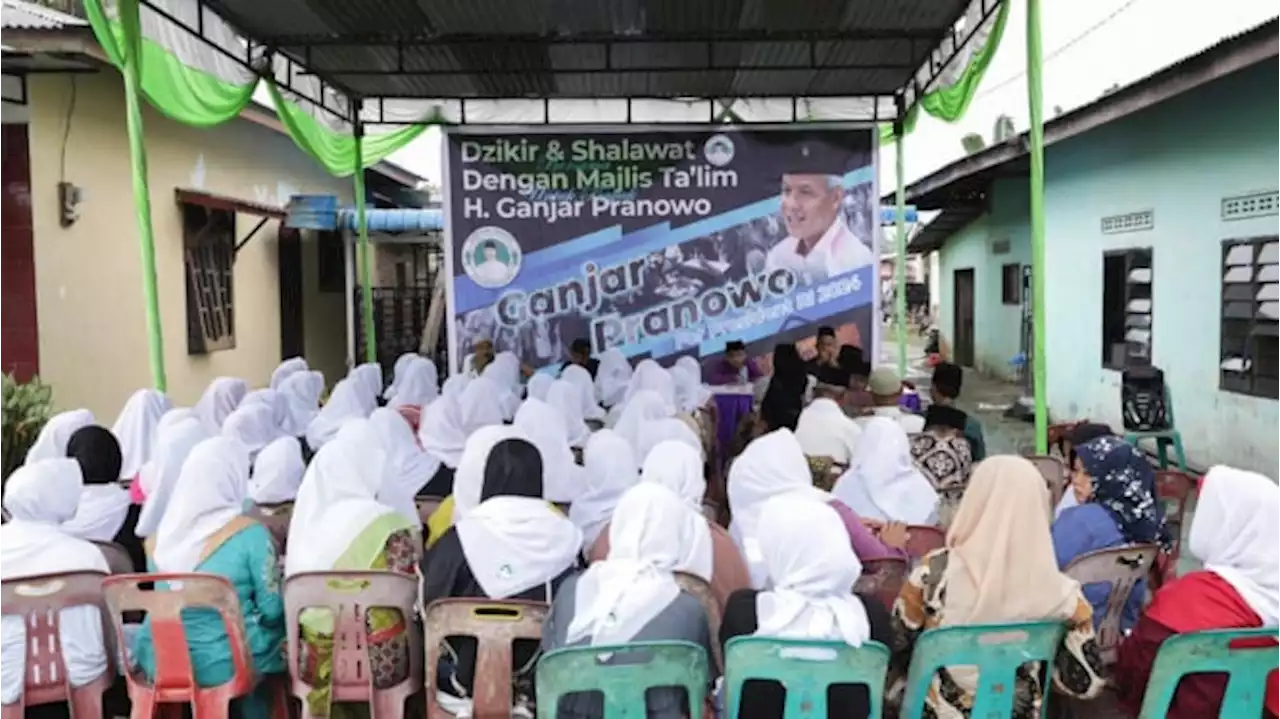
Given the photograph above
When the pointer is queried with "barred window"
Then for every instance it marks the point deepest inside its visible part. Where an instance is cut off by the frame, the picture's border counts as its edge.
(1247, 349)
(209, 247)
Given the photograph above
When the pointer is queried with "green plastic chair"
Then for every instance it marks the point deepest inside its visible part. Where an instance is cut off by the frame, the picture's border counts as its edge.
(997, 650)
(622, 673)
(805, 669)
(1165, 439)
(1203, 652)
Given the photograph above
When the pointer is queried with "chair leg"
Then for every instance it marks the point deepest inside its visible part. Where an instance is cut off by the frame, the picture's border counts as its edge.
(1178, 450)
(1162, 451)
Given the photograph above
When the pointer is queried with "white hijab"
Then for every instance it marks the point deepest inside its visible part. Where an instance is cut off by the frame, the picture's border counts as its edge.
(277, 472)
(101, 512)
(408, 468)
(368, 377)
(253, 426)
(135, 429)
(650, 534)
(642, 407)
(563, 396)
(562, 479)
(513, 544)
(346, 403)
(580, 378)
(651, 377)
(538, 385)
(691, 393)
(883, 482)
(678, 468)
(656, 431)
(160, 475)
(468, 480)
(440, 429)
(504, 372)
(415, 384)
(1234, 534)
(269, 398)
(397, 373)
(51, 443)
(337, 500)
(612, 376)
(219, 400)
(771, 465)
(210, 493)
(454, 386)
(286, 369)
(483, 403)
(301, 392)
(811, 568)
(610, 471)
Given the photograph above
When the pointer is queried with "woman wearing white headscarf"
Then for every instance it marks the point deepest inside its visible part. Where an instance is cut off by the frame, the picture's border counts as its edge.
(643, 407)
(39, 497)
(612, 377)
(811, 571)
(611, 470)
(51, 443)
(538, 385)
(512, 545)
(286, 369)
(651, 377)
(135, 429)
(408, 468)
(105, 513)
(883, 483)
(467, 481)
(277, 472)
(254, 426)
(416, 384)
(655, 431)
(580, 377)
(691, 393)
(345, 403)
(219, 400)
(272, 400)
(563, 479)
(159, 476)
(1234, 533)
(504, 373)
(483, 402)
(632, 595)
(563, 396)
(368, 378)
(398, 373)
(339, 524)
(204, 530)
(301, 392)
(443, 436)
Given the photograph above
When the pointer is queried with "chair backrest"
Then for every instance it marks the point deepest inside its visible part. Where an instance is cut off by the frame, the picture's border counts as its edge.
(1174, 489)
(1247, 668)
(1054, 471)
(39, 601)
(1059, 436)
(699, 588)
(883, 579)
(427, 506)
(996, 650)
(175, 677)
(118, 559)
(805, 669)
(349, 596)
(1121, 568)
(495, 627)
(922, 539)
(622, 674)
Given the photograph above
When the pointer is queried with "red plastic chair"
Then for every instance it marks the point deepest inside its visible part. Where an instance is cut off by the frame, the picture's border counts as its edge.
(883, 579)
(38, 600)
(349, 596)
(922, 539)
(1173, 489)
(495, 626)
(175, 681)
(1054, 471)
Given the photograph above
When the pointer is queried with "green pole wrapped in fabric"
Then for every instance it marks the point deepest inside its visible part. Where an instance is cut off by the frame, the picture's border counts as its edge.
(365, 261)
(900, 262)
(141, 190)
(1035, 100)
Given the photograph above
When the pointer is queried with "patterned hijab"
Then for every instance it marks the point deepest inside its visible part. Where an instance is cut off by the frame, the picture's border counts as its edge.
(1124, 483)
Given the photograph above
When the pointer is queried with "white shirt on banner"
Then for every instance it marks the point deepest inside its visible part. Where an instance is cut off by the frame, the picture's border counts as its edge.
(838, 251)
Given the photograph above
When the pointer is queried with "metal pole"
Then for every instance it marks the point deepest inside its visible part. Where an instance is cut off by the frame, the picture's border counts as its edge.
(1036, 135)
(366, 262)
(900, 262)
(141, 190)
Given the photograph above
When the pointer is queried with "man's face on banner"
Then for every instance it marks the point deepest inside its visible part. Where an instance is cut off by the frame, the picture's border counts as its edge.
(810, 204)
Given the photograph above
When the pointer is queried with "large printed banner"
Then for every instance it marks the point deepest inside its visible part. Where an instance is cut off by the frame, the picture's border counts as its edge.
(662, 243)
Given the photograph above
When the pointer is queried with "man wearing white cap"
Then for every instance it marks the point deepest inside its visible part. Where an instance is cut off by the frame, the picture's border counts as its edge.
(886, 391)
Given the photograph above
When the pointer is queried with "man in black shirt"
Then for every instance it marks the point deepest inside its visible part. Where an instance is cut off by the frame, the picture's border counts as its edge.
(828, 350)
(580, 354)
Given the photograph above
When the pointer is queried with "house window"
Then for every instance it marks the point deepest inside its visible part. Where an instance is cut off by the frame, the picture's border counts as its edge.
(332, 262)
(1126, 308)
(1250, 293)
(209, 248)
(1011, 284)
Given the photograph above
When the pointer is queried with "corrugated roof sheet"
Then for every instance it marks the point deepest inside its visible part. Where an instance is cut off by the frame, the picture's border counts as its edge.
(21, 15)
(609, 48)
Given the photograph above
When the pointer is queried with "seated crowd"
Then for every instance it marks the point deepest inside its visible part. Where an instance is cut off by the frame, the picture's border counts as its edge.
(599, 491)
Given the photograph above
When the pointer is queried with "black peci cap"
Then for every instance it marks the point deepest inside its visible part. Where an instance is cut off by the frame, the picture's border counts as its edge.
(814, 158)
(735, 345)
(580, 345)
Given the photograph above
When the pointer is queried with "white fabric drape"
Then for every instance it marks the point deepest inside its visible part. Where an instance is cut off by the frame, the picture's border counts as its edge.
(51, 442)
(160, 475)
(1234, 534)
(408, 467)
(562, 479)
(277, 472)
(611, 470)
(883, 482)
(564, 397)
(515, 543)
(135, 429)
(219, 400)
(210, 493)
(612, 377)
(346, 403)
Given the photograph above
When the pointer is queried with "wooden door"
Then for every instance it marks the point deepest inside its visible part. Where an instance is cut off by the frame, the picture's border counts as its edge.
(963, 313)
(292, 343)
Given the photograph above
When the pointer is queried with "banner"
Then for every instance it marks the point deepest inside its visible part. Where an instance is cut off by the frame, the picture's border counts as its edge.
(660, 242)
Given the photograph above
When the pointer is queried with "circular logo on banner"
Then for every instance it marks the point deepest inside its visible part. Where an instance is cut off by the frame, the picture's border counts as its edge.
(718, 150)
(491, 257)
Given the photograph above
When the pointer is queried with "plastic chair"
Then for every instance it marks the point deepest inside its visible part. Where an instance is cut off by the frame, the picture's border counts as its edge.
(806, 670)
(349, 595)
(1164, 438)
(997, 650)
(1121, 568)
(175, 681)
(622, 673)
(1174, 489)
(1247, 668)
(495, 627)
(1054, 471)
(38, 600)
(699, 588)
(883, 579)
(922, 539)
(1059, 436)
(118, 559)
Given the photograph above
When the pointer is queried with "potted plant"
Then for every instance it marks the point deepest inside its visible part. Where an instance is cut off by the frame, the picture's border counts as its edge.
(27, 406)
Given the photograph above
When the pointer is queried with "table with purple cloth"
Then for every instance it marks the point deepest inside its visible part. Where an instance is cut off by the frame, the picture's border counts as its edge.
(733, 402)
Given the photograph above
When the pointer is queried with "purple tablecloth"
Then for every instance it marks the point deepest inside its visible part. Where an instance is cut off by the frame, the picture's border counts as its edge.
(731, 407)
